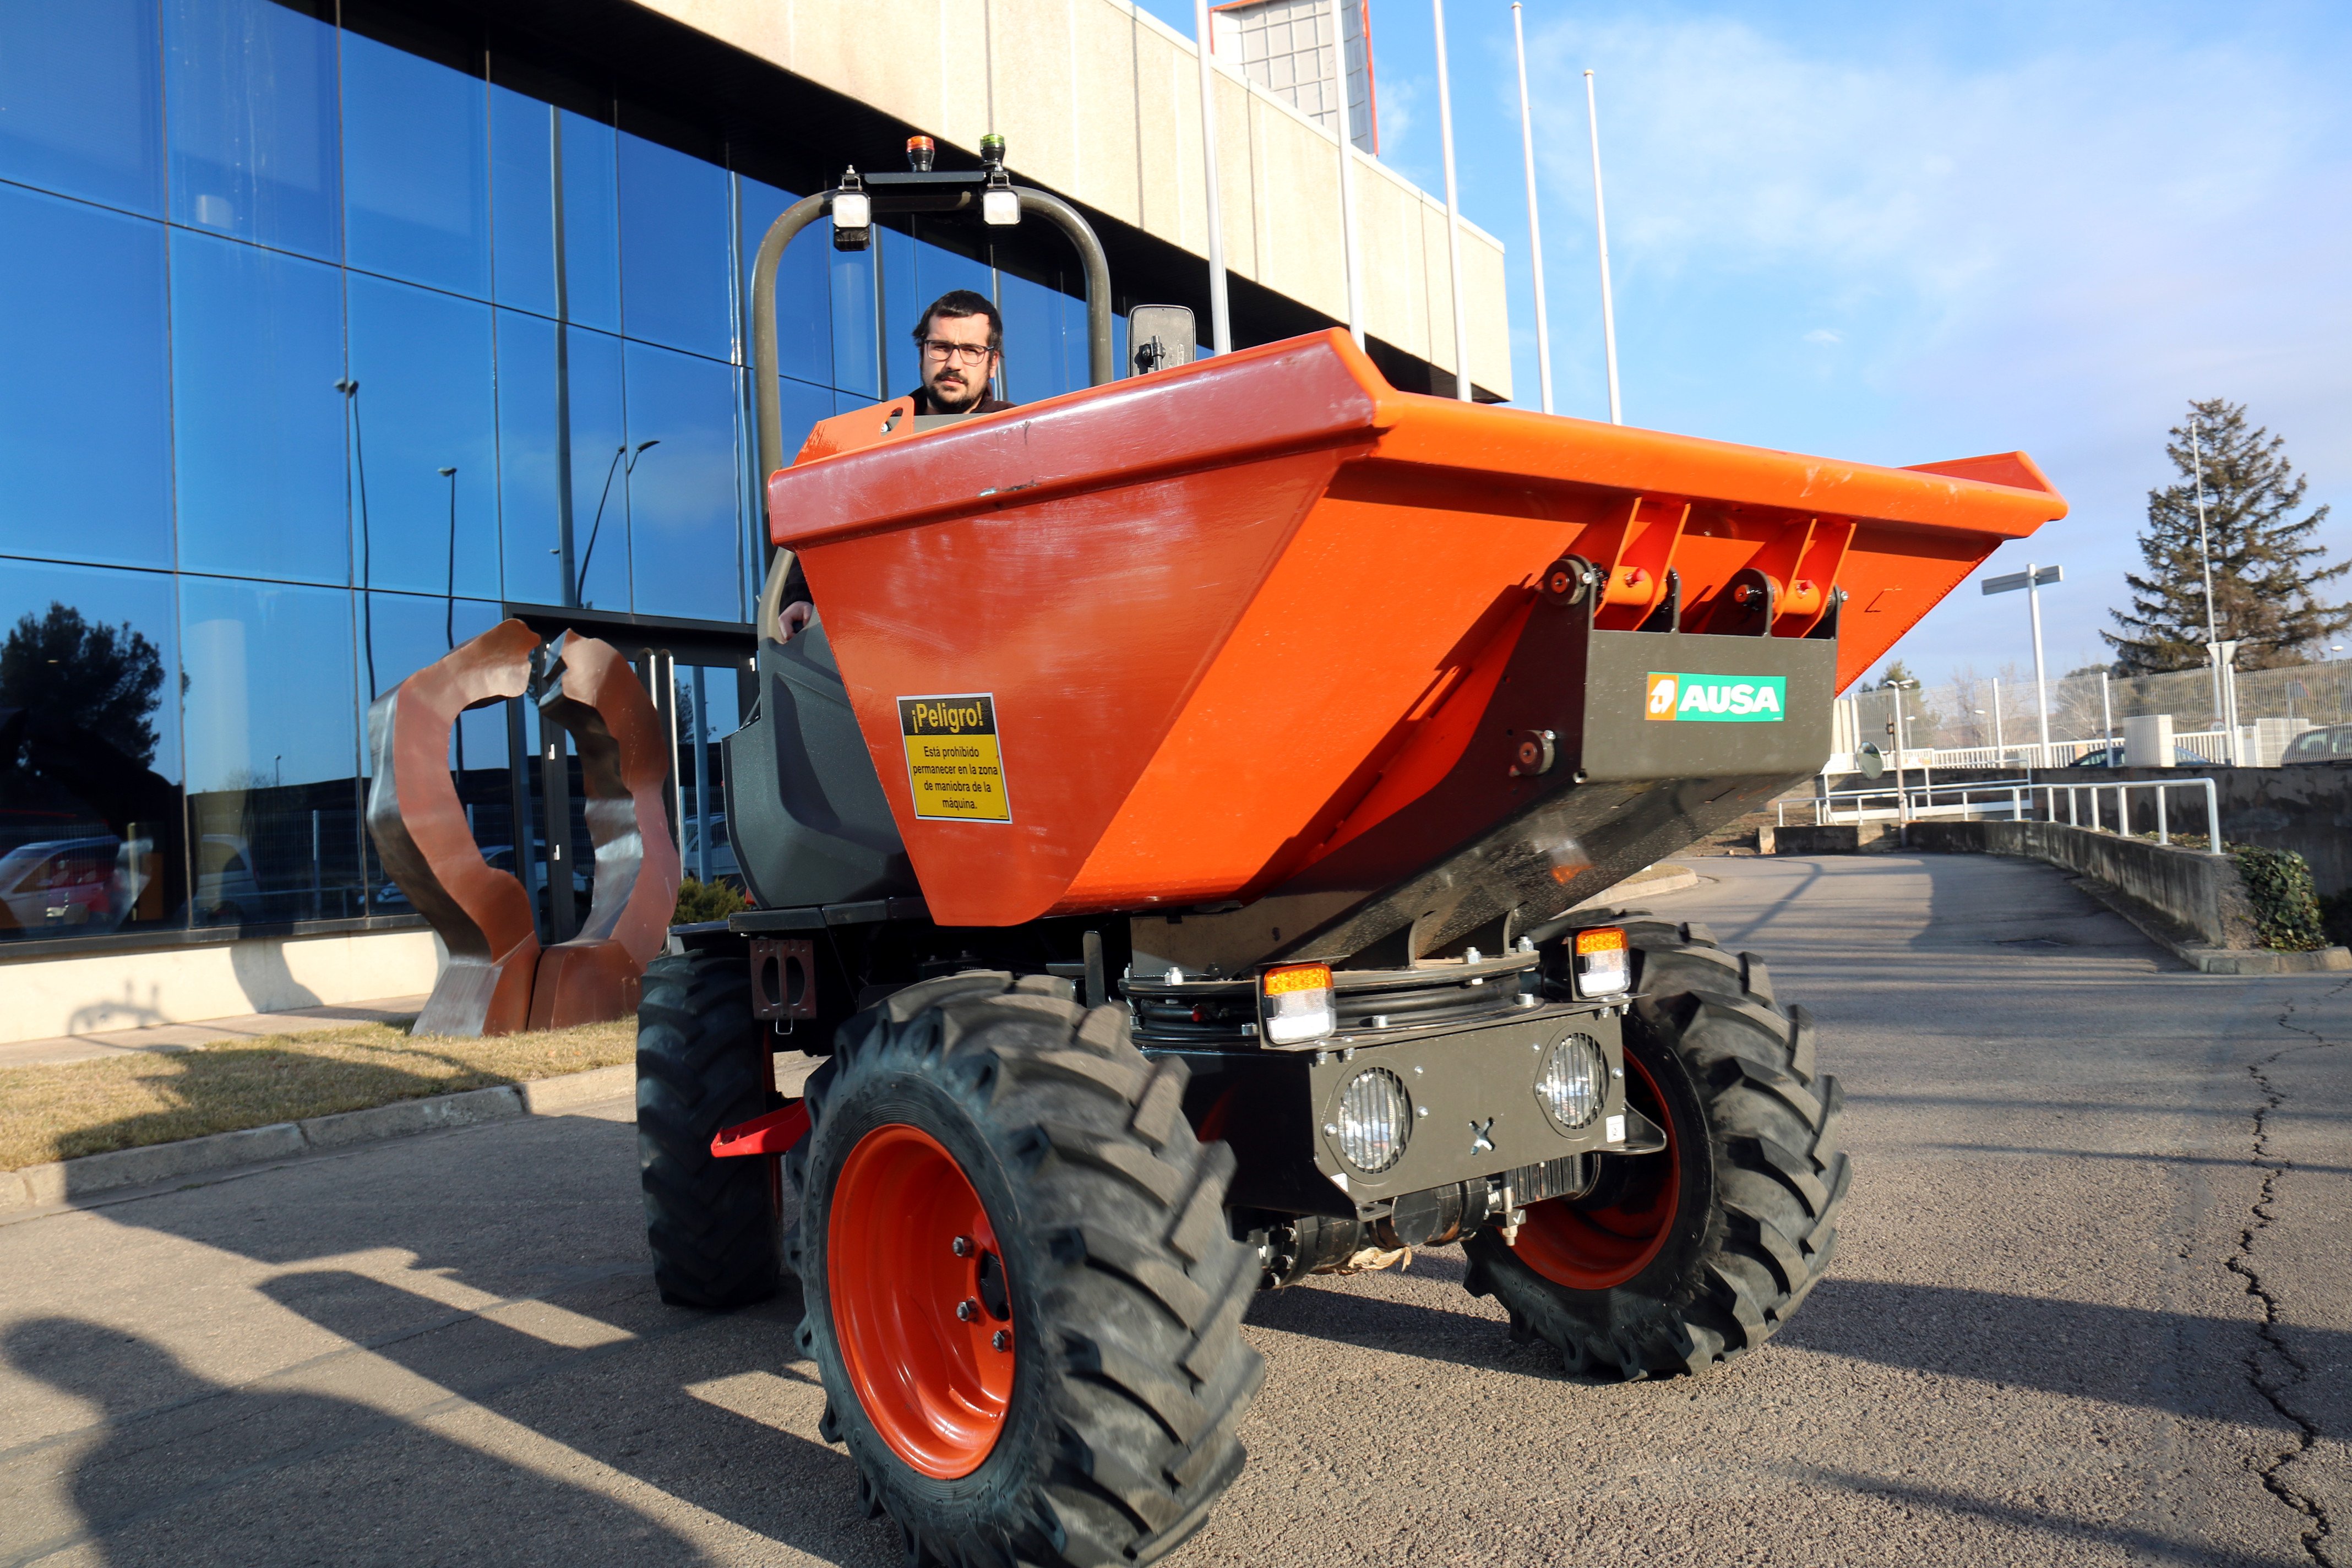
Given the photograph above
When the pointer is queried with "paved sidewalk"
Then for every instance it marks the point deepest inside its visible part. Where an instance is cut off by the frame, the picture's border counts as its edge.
(185, 1037)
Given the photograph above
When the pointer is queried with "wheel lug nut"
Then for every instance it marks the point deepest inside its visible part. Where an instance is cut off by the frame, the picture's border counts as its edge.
(961, 1247)
(1002, 1339)
(966, 1310)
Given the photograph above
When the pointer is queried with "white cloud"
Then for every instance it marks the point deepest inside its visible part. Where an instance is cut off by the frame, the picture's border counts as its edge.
(1825, 335)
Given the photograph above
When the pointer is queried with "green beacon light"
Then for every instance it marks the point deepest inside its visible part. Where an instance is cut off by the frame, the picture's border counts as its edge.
(1000, 203)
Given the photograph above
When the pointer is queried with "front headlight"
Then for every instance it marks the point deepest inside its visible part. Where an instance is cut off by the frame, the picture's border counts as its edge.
(1375, 1119)
(1574, 1081)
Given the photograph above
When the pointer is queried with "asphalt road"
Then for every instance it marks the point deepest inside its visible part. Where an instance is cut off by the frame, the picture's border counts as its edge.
(2093, 1304)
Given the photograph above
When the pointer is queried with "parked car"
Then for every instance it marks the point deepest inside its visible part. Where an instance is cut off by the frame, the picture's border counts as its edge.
(723, 865)
(501, 857)
(59, 882)
(2112, 757)
(2329, 743)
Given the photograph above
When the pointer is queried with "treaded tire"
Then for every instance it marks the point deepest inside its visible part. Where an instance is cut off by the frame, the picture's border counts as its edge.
(712, 1223)
(1760, 1176)
(1126, 1286)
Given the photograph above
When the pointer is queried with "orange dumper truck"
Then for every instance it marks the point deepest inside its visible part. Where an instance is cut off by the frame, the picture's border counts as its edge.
(1179, 835)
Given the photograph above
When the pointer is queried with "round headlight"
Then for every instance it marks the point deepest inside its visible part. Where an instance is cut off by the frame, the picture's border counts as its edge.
(1375, 1119)
(1573, 1085)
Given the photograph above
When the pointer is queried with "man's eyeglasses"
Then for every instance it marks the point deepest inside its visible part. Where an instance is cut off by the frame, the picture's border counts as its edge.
(962, 353)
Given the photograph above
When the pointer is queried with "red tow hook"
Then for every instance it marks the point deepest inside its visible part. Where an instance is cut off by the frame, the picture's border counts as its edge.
(774, 1133)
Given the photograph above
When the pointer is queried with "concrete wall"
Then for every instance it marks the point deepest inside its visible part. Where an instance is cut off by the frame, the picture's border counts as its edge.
(87, 993)
(1101, 102)
(2202, 891)
(2306, 808)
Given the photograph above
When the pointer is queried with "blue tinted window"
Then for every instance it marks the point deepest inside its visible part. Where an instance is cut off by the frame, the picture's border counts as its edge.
(600, 498)
(674, 250)
(522, 192)
(81, 101)
(1035, 363)
(682, 492)
(423, 360)
(803, 406)
(272, 752)
(853, 343)
(417, 182)
(251, 87)
(528, 511)
(803, 302)
(259, 429)
(591, 253)
(89, 808)
(85, 423)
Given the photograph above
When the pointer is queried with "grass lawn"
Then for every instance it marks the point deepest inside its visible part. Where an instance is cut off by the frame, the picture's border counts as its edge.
(122, 1102)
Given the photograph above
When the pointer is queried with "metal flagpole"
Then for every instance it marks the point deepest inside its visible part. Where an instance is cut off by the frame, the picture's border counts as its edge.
(1348, 244)
(1534, 230)
(1221, 323)
(1453, 213)
(1600, 227)
(2041, 683)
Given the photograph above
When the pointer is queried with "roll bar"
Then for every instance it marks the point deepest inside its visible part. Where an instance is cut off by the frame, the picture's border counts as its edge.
(902, 193)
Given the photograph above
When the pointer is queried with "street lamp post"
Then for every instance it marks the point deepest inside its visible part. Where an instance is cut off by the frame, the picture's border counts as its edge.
(1535, 228)
(2032, 580)
(1601, 232)
(1350, 252)
(1453, 212)
(1221, 320)
(618, 452)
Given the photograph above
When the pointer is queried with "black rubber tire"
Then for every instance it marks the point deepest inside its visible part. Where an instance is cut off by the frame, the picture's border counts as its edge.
(712, 1224)
(1120, 1434)
(1755, 1130)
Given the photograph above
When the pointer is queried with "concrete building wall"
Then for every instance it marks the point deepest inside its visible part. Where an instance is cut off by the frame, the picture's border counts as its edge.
(1101, 102)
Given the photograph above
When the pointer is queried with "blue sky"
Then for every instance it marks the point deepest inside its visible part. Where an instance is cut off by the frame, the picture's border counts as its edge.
(1903, 233)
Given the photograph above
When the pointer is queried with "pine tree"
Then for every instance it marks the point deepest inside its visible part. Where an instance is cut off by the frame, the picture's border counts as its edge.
(2267, 571)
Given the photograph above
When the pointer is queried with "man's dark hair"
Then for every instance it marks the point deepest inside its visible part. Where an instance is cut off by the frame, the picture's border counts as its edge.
(963, 302)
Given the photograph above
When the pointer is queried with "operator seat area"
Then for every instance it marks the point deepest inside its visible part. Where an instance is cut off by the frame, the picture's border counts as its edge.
(811, 824)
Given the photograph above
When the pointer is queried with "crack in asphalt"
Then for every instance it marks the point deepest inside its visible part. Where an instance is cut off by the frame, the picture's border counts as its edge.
(2319, 1529)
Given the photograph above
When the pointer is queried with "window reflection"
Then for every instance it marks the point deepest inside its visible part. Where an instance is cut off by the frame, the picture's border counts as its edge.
(1037, 322)
(259, 425)
(405, 634)
(682, 492)
(272, 752)
(600, 498)
(86, 444)
(90, 752)
(416, 168)
(81, 101)
(803, 295)
(709, 708)
(589, 225)
(855, 365)
(250, 87)
(423, 362)
(522, 193)
(674, 252)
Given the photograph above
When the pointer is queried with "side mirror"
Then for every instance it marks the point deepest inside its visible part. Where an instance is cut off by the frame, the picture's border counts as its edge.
(1160, 337)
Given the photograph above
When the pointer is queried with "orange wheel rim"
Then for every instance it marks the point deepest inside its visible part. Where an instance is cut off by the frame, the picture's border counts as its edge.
(920, 1307)
(1600, 1248)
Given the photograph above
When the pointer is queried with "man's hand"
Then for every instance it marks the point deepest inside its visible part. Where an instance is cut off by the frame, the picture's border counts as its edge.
(795, 616)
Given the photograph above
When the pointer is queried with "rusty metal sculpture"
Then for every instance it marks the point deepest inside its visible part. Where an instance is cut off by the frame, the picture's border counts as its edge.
(499, 979)
(589, 690)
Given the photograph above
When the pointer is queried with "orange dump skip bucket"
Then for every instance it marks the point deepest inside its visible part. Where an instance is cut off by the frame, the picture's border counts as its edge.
(1177, 641)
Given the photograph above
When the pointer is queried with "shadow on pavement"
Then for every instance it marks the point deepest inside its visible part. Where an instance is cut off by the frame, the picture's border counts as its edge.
(261, 1474)
(2121, 1355)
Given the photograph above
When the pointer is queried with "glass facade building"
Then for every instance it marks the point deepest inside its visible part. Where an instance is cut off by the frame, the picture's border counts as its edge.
(316, 332)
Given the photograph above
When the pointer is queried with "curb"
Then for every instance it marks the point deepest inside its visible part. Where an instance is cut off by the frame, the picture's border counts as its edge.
(62, 1181)
(1676, 879)
(2208, 960)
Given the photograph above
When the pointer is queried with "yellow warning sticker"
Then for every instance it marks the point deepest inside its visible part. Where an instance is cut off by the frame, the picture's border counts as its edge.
(953, 760)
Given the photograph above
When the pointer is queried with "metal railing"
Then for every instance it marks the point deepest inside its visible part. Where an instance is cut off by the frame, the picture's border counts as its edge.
(2077, 794)
(1915, 802)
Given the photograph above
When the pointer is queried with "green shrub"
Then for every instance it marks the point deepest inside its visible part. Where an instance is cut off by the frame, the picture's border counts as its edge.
(698, 901)
(2336, 919)
(2286, 909)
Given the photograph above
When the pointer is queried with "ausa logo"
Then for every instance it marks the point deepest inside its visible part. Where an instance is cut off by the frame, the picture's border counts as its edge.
(1718, 699)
